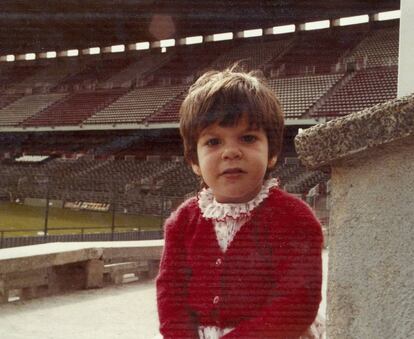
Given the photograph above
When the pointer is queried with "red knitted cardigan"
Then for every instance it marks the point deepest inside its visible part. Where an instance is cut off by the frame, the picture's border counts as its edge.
(266, 285)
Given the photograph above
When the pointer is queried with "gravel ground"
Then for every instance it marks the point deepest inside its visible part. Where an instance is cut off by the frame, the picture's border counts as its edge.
(127, 311)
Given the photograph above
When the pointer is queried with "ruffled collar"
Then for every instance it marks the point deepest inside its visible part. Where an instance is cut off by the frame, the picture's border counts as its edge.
(211, 209)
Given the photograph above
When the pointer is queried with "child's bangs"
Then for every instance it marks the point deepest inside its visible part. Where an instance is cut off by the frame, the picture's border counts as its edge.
(228, 108)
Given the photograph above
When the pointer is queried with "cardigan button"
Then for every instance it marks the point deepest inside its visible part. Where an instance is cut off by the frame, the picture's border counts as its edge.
(216, 299)
(218, 262)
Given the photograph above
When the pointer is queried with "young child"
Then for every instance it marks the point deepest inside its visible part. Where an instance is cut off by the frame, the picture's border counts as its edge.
(243, 258)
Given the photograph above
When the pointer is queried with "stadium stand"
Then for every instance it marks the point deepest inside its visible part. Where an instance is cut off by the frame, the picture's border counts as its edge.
(379, 48)
(178, 180)
(65, 145)
(96, 180)
(10, 76)
(184, 65)
(75, 108)
(47, 77)
(170, 111)
(7, 99)
(298, 94)
(315, 52)
(146, 64)
(366, 88)
(137, 105)
(114, 145)
(252, 55)
(317, 74)
(289, 61)
(155, 147)
(294, 177)
(93, 72)
(26, 107)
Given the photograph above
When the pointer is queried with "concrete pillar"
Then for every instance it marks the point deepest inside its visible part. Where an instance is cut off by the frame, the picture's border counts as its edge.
(4, 292)
(153, 267)
(28, 293)
(371, 235)
(406, 50)
(94, 273)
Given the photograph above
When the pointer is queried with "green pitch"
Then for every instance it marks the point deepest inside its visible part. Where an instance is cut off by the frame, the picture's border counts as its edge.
(22, 218)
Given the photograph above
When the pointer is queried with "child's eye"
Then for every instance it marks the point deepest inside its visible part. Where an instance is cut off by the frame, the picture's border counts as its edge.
(248, 138)
(212, 142)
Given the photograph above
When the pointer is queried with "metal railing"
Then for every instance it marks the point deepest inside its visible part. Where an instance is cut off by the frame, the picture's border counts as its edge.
(83, 234)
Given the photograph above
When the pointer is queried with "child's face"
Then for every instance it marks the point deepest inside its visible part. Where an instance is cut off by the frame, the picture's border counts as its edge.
(233, 160)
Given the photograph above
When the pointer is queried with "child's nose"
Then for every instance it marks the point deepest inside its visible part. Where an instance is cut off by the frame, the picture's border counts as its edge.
(231, 152)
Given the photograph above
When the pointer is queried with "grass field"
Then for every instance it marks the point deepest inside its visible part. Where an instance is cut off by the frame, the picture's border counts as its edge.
(20, 218)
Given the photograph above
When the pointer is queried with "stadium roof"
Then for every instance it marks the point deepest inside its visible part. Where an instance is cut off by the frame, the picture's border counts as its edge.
(55, 25)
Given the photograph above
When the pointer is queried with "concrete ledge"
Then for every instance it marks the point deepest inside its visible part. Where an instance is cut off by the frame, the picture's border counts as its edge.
(52, 268)
(357, 133)
(43, 259)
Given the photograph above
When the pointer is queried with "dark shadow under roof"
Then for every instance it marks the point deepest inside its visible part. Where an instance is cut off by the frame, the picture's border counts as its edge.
(40, 26)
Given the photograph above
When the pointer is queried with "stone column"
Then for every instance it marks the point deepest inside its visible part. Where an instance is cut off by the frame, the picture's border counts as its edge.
(371, 232)
(406, 49)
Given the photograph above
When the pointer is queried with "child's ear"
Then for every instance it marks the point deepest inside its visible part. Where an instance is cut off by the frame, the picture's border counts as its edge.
(272, 162)
(196, 169)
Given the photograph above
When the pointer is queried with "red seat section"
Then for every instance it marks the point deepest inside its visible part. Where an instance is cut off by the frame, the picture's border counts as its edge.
(254, 54)
(93, 73)
(170, 112)
(27, 106)
(75, 108)
(378, 48)
(137, 70)
(365, 89)
(11, 75)
(7, 99)
(137, 105)
(316, 52)
(298, 94)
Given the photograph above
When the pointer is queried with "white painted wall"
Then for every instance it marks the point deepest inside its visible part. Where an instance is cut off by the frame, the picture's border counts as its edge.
(406, 53)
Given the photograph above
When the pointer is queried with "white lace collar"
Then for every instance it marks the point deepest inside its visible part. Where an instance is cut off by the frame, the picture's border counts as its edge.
(211, 209)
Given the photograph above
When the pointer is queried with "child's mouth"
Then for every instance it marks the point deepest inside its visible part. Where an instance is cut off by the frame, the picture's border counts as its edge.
(230, 171)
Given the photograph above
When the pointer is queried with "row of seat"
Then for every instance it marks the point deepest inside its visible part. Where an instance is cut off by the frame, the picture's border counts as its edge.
(7, 99)
(253, 55)
(379, 48)
(96, 71)
(46, 78)
(315, 52)
(27, 106)
(297, 94)
(185, 63)
(136, 106)
(146, 64)
(10, 75)
(69, 178)
(366, 88)
(170, 111)
(75, 109)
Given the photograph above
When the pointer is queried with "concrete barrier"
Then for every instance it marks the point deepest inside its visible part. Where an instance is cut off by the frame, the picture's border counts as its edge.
(371, 270)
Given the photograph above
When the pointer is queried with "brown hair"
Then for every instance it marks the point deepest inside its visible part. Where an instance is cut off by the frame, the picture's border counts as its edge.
(223, 97)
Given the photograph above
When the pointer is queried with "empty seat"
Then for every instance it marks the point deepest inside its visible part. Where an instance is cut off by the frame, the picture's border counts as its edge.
(74, 109)
(367, 88)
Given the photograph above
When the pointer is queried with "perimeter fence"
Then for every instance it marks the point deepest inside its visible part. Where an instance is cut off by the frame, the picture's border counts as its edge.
(110, 235)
